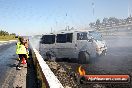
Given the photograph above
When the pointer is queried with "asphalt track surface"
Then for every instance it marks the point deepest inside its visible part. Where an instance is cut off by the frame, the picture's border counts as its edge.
(8, 70)
(7, 60)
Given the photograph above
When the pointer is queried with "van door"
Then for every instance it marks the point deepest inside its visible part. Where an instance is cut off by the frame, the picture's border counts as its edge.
(83, 43)
(64, 45)
(47, 43)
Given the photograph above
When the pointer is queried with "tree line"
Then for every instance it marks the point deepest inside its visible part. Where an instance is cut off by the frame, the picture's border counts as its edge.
(4, 33)
(110, 22)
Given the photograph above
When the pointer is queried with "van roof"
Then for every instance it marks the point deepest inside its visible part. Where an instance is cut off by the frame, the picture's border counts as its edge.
(69, 31)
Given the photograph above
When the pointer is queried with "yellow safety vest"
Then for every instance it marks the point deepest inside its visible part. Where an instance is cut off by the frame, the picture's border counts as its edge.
(20, 49)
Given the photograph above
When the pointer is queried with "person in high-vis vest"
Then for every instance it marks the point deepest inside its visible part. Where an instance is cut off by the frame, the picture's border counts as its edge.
(17, 47)
(21, 51)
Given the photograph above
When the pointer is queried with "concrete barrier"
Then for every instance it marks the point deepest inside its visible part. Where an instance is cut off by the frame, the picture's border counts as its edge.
(46, 78)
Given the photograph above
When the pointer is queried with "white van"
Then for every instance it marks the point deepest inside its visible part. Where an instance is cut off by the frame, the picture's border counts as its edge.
(75, 44)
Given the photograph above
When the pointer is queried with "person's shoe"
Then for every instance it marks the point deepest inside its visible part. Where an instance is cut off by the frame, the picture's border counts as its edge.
(18, 68)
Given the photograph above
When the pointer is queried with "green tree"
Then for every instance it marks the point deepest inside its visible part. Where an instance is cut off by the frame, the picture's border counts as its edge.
(92, 25)
(98, 24)
(3, 33)
(13, 34)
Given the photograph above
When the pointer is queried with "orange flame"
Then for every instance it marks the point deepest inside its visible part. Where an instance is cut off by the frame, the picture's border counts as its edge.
(81, 71)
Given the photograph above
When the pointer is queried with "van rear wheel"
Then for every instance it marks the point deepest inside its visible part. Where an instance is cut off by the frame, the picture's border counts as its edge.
(50, 56)
(83, 57)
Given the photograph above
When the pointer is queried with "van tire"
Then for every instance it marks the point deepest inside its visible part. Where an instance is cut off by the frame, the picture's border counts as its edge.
(83, 57)
(50, 56)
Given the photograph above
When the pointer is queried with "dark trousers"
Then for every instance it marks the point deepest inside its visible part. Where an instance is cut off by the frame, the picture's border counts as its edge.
(21, 56)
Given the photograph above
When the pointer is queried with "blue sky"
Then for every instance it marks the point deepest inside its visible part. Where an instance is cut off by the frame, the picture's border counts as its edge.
(29, 17)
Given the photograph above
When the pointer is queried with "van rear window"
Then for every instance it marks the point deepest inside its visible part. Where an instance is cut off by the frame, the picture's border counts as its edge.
(48, 39)
(63, 38)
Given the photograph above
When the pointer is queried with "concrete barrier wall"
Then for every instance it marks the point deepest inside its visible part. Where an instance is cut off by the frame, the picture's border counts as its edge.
(46, 78)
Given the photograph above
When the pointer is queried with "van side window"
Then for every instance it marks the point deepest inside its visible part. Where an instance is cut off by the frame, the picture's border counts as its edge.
(48, 39)
(82, 36)
(69, 37)
(63, 38)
